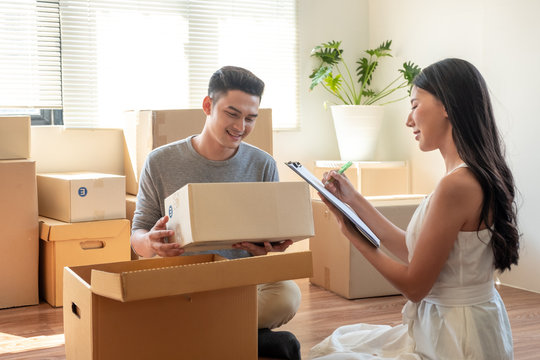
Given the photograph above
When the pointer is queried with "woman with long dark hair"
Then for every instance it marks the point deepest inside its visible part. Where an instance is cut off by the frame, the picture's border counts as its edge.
(460, 234)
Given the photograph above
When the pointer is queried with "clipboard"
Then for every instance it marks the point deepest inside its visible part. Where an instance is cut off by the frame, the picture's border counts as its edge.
(344, 208)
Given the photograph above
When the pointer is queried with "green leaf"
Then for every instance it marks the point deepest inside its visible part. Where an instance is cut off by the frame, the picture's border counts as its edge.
(368, 93)
(410, 71)
(382, 50)
(333, 83)
(329, 53)
(365, 70)
(319, 75)
(342, 85)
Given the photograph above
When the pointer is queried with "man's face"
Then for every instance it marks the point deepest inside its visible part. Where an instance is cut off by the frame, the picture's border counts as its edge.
(231, 118)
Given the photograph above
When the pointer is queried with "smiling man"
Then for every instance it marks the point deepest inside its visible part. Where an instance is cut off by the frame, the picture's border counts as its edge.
(218, 154)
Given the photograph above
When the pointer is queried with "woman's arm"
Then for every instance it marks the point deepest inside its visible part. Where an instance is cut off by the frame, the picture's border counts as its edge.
(391, 236)
(454, 205)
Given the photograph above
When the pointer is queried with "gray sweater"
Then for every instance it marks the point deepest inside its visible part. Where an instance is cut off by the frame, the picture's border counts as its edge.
(170, 167)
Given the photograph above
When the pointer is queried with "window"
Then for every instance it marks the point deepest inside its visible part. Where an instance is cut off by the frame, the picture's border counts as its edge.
(37, 116)
(136, 54)
(30, 67)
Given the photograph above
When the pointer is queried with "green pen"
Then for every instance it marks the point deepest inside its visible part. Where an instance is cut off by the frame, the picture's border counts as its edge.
(340, 171)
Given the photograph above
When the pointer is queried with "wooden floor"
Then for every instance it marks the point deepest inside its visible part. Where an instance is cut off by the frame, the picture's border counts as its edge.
(321, 312)
(36, 332)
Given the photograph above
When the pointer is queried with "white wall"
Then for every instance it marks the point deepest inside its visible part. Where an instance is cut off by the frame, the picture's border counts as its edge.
(319, 21)
(500, 38)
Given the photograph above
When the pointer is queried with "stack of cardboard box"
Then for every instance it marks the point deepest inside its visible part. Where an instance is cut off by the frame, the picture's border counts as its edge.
(18, 215)
(82, 222)
(337, 265)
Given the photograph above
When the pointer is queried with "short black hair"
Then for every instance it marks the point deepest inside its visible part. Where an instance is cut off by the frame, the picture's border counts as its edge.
(234, 78)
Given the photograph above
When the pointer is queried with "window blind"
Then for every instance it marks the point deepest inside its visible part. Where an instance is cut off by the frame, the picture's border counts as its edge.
(152, 54)
(30, 72)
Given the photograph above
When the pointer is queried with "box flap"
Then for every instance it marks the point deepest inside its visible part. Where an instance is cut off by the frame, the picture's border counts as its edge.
(55, 230)
(200, 276)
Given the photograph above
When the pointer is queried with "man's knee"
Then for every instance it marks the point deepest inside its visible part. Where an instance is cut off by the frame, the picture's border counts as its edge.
(278, 303)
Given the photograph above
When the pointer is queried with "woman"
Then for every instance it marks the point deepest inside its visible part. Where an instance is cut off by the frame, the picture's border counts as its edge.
(457, 237)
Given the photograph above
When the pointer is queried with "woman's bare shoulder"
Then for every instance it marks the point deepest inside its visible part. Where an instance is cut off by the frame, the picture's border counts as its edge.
(460, 191)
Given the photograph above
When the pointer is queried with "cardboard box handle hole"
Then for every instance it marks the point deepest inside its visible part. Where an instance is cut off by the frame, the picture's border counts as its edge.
(92, 244)
(75, 309)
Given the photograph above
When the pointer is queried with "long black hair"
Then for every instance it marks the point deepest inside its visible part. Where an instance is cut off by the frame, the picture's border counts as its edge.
(464, 94)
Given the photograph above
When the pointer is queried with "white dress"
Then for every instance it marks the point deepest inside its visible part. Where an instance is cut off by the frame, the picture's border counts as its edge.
(463, 316)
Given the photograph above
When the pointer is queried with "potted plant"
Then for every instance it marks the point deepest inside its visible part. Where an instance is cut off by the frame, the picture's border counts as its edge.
(358, 119)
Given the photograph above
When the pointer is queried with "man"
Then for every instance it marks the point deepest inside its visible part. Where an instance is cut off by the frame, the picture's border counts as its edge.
(216, 155)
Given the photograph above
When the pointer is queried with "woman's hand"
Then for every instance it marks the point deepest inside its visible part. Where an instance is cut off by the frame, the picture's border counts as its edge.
(340, 186)
(345, 225)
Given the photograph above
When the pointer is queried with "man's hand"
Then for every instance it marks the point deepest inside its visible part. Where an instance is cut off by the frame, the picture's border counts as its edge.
(264, 248)
(155, 240)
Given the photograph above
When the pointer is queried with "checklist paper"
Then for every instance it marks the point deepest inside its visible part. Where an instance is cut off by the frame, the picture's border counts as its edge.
(340, 205)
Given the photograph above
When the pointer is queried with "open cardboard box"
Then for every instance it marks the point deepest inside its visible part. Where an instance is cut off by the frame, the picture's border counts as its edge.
(208, 216)
(71, 244)
(189, 307)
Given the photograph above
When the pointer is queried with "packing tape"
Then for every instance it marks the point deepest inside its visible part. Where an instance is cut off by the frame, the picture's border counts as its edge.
(99, 214)
(160, 136)
(158, 117)
(161, 139)
(326, 277)
(99, 183)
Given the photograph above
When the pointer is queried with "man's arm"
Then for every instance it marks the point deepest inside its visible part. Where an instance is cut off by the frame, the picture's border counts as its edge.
(148, 240)
(148, 243)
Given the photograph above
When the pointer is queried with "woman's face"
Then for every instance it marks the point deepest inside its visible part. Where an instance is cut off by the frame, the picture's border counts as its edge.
(428, 120)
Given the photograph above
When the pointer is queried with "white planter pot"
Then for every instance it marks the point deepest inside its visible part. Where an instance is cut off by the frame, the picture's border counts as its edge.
(357, 130)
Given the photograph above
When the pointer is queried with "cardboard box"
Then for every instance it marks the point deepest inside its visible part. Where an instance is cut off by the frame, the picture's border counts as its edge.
(62, 149)
(14, 137)
(131, 204)
(216, 215)
(81, 196)
(19, 233)
(189, 307)
(72, 244)
(338, 266)
(146, 130)
(371, 178)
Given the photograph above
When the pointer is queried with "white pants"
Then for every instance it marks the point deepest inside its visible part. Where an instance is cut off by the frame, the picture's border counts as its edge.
(277, 303)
